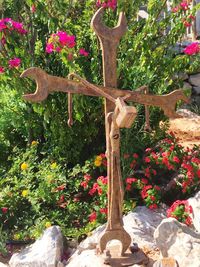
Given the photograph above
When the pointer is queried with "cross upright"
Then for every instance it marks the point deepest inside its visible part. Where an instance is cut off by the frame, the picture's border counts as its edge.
(117, 115)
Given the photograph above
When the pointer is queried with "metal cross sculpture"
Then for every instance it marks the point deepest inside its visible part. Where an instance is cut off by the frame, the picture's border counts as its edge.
(117, 114)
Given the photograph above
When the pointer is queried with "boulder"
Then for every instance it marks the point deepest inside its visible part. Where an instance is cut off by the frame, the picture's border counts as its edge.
(195, 79)
(140, 224)
(45, 252)
(195, 203)
(178, 241)
(196, 90)
(187, 85)
(3, 265)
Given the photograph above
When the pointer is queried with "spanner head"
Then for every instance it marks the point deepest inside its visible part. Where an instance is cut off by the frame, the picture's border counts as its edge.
(41, 78)
(112, 34)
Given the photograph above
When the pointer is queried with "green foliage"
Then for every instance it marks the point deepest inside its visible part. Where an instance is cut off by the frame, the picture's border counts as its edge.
(42, 182)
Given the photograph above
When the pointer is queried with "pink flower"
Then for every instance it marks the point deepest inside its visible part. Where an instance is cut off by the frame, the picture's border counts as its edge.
(82, 52)
(2, 70)
(70, 56)
(14, 63)
(175, 9)
(192, 49)
(33, 8)
(49, 48)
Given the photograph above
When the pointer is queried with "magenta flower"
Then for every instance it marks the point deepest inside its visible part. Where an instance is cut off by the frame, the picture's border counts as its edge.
(192, 49)
(107, 4)
(8, 23)
(59, 40)
(49, 48)
(2, 70)
(14, 63)
(184, 5)
(66, 40)
(82, 52)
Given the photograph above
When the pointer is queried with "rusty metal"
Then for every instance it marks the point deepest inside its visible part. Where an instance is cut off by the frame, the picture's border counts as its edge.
(117, 114)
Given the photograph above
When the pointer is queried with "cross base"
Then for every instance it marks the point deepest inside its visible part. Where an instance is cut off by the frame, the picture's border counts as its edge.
(118, 234)
(128, 259)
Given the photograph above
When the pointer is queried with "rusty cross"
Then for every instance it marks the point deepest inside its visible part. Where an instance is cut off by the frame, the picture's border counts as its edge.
(117, 114)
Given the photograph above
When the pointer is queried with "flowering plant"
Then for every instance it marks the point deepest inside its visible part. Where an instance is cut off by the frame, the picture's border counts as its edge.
(181, 210)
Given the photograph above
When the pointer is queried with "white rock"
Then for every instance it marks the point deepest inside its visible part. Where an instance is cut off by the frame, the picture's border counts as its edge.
(195, 79)
(3, 265)
(140, 224)
(195, 203)
(187, 85)
(178, 241)
(45, 252)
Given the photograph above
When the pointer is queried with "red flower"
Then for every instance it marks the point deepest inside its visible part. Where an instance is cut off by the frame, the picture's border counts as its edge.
(176, 159)
(144, 181)
(93, 216)
(147, 160)
(84, 184)
(131, 180)
(4, 209)
(60, 188)
(152, 198)
(104, 211)
(99, 191)
(87, 177)
(135, 155)
(128, 187)
(153, 206)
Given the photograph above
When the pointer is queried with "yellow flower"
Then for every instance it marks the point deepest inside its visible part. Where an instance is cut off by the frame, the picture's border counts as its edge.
(24, 193)
(47, 224)
(24, 166)
(98, 161)
(34, 143)
(54, 165)
(16, 236)
(99, 158)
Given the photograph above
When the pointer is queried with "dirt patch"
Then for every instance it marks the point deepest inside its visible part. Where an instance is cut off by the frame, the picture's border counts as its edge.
(187, 128)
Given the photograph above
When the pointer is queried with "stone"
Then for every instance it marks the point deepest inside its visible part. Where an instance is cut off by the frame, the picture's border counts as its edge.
(187, 85)
(178, 241)
(196, 90)
(195, 79)
(183, 76)
(195, 203)
(140, 224)
(3, 265)
(45, 252)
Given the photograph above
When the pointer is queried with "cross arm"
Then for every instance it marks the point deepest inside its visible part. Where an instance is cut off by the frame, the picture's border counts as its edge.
(47, 83)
